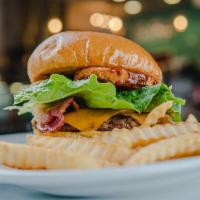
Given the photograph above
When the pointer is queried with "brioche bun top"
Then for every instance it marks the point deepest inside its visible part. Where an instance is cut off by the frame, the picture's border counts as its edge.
(67, 52)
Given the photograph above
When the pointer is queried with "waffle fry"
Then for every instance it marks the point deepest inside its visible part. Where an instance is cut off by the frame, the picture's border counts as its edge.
(182, 146)
(140, 136)
(111, 153)
(108, 137)
(191, 119)
(28, 157)
(144, 135)
(157, 113)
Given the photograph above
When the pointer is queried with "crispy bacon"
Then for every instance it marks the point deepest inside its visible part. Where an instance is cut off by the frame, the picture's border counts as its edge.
(76, 106)
(53, 119)
(63, 105)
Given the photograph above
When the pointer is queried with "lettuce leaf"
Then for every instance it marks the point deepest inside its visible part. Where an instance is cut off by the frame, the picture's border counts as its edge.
(140, 98)
(148, 97)
(97, 95)
(58, 87)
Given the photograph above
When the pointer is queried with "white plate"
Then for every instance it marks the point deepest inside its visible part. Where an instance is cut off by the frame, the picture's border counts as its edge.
(179, 179)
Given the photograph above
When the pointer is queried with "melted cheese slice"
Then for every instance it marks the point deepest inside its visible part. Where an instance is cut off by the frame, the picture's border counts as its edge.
(92, 119)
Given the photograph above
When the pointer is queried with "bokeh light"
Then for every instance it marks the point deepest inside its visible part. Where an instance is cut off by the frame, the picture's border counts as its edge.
(180, 23)
(115, 24)
(119, 1)
(172, 2)
(196, 3)
(55, 25)
(96, 19)
(133, 7)
(105, 21)
(15, 87)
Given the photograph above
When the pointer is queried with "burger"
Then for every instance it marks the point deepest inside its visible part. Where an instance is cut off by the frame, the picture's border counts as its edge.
(89, 81)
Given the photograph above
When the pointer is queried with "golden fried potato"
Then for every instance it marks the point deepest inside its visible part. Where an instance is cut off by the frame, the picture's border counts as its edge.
(191, 118)
(145, 135)
(139, 136)
(28, 157)
(111, 153)
(177, 147)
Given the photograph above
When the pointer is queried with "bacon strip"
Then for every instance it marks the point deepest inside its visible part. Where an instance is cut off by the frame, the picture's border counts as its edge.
(53, 120)
(76, 106)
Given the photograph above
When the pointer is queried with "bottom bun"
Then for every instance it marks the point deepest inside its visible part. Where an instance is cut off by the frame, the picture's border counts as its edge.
(68, 134)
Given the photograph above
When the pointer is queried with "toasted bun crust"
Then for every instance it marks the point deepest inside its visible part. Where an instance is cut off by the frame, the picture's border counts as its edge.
(88, 134)
(69, 51)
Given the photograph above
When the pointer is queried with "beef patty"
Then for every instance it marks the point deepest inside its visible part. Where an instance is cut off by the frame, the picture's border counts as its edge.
(118, 121)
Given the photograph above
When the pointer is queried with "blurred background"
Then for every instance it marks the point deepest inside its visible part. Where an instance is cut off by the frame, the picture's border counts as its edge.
(169, 29)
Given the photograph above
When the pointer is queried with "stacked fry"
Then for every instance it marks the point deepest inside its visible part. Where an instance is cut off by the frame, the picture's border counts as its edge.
(139, 146)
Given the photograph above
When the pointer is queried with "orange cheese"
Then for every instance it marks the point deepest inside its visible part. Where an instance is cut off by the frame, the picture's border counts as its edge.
(140, 118)
(92, 119)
